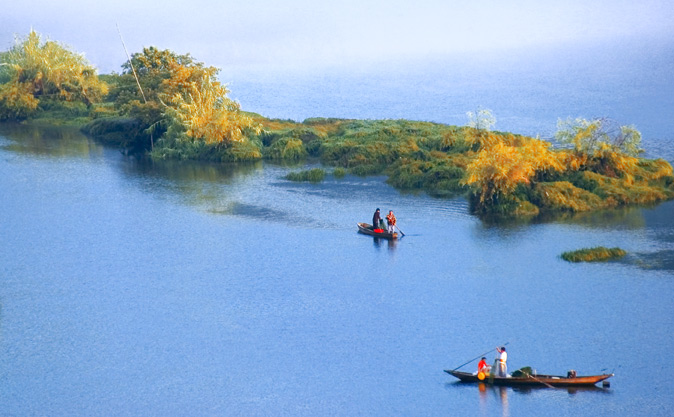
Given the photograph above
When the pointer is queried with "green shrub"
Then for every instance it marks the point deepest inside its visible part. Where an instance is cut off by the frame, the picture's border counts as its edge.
(286, 149)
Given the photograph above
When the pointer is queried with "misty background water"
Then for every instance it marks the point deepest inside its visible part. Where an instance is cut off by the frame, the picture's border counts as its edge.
(527, 91)
(175, 288)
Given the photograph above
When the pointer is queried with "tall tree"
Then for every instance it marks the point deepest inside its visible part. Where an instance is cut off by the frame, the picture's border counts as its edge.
(183, 100)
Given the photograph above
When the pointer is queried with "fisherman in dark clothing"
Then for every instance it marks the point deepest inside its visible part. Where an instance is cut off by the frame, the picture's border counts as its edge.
(376, 219)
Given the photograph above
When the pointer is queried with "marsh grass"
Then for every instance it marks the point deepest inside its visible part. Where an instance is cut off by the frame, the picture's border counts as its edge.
(596, 254)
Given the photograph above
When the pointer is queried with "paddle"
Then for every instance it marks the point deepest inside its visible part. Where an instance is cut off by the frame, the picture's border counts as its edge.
(478, 356)
(401, 232)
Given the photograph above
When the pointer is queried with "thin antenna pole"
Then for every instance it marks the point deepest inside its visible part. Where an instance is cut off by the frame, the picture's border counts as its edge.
(136, 77)
(131, 63)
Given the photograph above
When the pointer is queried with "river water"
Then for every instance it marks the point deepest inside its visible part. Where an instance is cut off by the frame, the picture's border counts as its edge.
(130, 288)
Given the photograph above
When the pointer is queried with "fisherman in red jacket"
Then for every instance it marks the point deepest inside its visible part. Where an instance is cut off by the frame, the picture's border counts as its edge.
(482, 365)
(391, 219)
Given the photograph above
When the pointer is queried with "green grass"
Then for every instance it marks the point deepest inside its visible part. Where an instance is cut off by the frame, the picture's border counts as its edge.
(597, 254)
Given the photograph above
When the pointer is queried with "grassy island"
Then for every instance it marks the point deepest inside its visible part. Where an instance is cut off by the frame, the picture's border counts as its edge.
(598, 254)
(170, 106)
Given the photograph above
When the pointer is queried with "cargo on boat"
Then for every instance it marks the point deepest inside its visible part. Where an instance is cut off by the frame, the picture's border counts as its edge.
(367, 229)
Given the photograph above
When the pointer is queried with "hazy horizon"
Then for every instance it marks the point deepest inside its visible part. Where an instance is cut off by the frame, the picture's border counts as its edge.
(302, 34)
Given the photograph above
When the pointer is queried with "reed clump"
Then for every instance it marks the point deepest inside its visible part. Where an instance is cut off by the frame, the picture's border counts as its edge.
(596, 254)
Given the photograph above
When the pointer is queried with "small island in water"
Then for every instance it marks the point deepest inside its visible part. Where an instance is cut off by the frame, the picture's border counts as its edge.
(169, 106)
(598, 254)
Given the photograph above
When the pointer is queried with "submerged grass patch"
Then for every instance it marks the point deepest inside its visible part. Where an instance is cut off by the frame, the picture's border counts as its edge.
(597, 254)
(339, 172)
(309, 175)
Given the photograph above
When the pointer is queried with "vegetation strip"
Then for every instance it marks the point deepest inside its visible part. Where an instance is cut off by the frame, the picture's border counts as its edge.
(184, 112)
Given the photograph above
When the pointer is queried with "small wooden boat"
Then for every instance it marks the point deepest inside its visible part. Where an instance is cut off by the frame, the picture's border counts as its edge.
(366, 228)
(533, 380)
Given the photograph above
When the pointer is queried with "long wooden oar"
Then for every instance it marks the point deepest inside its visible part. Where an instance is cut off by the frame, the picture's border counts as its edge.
(401, 232)
(478, 356)
(538, 380)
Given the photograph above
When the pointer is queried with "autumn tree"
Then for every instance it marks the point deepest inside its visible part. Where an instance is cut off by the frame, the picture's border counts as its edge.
(602, 144)
(593, 136)
(200, 110)
(499, 169)
(179, 99)
(36, 71)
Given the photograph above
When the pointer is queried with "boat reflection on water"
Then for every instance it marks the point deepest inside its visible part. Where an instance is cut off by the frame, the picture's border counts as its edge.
(490, 396)
(500, 392)
(380, 242)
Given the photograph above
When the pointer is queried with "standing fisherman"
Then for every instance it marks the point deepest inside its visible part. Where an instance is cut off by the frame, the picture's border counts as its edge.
(376, 219)
(391, 220)
(502, 368)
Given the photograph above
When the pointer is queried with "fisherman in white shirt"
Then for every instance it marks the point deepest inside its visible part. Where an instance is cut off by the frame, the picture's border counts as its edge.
(502, 368)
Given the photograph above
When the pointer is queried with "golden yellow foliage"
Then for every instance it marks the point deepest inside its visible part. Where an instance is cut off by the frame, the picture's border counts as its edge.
(572, 160)
(483, 138)
(17, 100)
(200, 104)
(501, 167)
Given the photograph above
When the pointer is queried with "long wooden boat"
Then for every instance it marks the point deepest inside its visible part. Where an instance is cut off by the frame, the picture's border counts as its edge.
(366, 228)
(533, 380)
